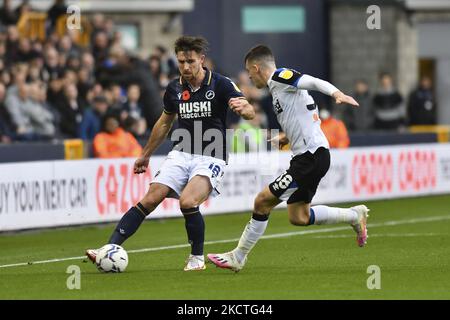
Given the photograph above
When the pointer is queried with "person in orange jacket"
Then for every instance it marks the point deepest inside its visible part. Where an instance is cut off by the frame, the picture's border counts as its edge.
(114, 142)
(334, 129)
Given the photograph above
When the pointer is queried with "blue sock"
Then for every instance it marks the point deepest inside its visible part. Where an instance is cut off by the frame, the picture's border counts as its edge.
(195, 227)
(312, 216)
(129, 224)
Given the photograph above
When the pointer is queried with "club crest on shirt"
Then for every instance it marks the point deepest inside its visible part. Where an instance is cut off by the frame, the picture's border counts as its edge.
(210, 95)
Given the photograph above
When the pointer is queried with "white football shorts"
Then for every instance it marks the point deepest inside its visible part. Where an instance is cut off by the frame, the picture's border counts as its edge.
(180, 167)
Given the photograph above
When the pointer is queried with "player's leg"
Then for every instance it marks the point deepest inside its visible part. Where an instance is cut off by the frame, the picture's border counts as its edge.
(265, 201)
(194, 194)
(235, 260)
(302, 214)
(307, 175)
(133, 218)
(170, 179)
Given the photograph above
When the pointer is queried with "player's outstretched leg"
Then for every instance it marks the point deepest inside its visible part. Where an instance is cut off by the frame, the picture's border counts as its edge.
(301, 214)
(134, 217)
(255, 228)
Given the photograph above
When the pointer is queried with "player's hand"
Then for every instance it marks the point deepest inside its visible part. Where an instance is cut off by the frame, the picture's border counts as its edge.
(340, 97)
(279, 141)
(237, 104)
(141, 164)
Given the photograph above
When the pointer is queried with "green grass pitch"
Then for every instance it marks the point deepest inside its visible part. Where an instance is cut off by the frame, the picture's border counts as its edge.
(409, 240)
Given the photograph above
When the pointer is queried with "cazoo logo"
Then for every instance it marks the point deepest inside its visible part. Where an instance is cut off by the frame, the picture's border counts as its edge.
(372, 173)
(417, 170)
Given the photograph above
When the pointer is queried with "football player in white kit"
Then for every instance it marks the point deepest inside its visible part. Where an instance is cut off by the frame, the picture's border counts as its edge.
(298, 116)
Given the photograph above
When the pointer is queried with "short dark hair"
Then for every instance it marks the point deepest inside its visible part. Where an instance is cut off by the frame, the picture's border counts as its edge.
(188, 43)
(260, 52)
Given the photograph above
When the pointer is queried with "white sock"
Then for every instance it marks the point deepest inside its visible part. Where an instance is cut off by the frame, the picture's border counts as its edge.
(253, 231)
(331, 215)
(201, 257)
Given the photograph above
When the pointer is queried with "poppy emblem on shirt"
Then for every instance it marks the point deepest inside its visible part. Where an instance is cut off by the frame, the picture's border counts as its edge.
(186, 96)
(210, 95)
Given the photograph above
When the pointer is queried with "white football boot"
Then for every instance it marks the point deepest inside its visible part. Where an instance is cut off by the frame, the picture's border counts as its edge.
(195, 263)
(360, 227)
(227, 261)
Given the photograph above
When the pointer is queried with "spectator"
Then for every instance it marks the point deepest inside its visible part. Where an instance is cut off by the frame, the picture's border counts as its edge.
(362, 117)
(66, 46)
(12, 45)
(42, 120)
(23, 9)
(100, 48)
(5, 77)
(52, 69)
(168, 62)
(132, 106)
(59, 8)
(388, 106)
(334, 129)
(422, 104)
(70, 110)
(137, 127)
(7, 15)
(114, 142)
(24, 53)
(118, 98)
(17, 104)
(156, 69)
(6, 130)
(92, 118)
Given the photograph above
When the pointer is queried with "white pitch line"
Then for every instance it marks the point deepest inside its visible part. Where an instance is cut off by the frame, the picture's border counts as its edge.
(373, 235)
(270, 236)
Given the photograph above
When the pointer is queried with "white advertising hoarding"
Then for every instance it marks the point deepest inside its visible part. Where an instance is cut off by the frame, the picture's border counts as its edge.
(58, 193)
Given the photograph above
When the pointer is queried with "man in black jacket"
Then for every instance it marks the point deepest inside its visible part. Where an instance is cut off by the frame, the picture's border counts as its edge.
(422, 104)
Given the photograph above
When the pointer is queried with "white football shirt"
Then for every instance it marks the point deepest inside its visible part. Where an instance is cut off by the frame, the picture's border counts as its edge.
(296, 110)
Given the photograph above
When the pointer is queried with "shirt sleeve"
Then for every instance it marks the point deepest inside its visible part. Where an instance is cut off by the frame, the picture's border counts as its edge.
(287, 76)
(230, 89)
(169, 104)
(307, 82)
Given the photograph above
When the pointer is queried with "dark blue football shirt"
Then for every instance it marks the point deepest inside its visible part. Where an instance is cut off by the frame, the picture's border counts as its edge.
(201, 114)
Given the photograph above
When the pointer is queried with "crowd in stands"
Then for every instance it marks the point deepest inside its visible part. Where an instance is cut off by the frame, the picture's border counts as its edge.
(58, 89)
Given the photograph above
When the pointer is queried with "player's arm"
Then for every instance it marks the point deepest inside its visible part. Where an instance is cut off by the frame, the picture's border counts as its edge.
(308, 82)
(158, 135)
(279, 141)
(242, 107)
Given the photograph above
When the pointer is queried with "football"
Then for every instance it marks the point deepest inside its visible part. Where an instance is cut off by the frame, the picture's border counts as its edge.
(111, 258)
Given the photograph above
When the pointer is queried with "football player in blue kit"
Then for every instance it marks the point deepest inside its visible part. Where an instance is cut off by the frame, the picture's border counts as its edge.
(192, 171)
